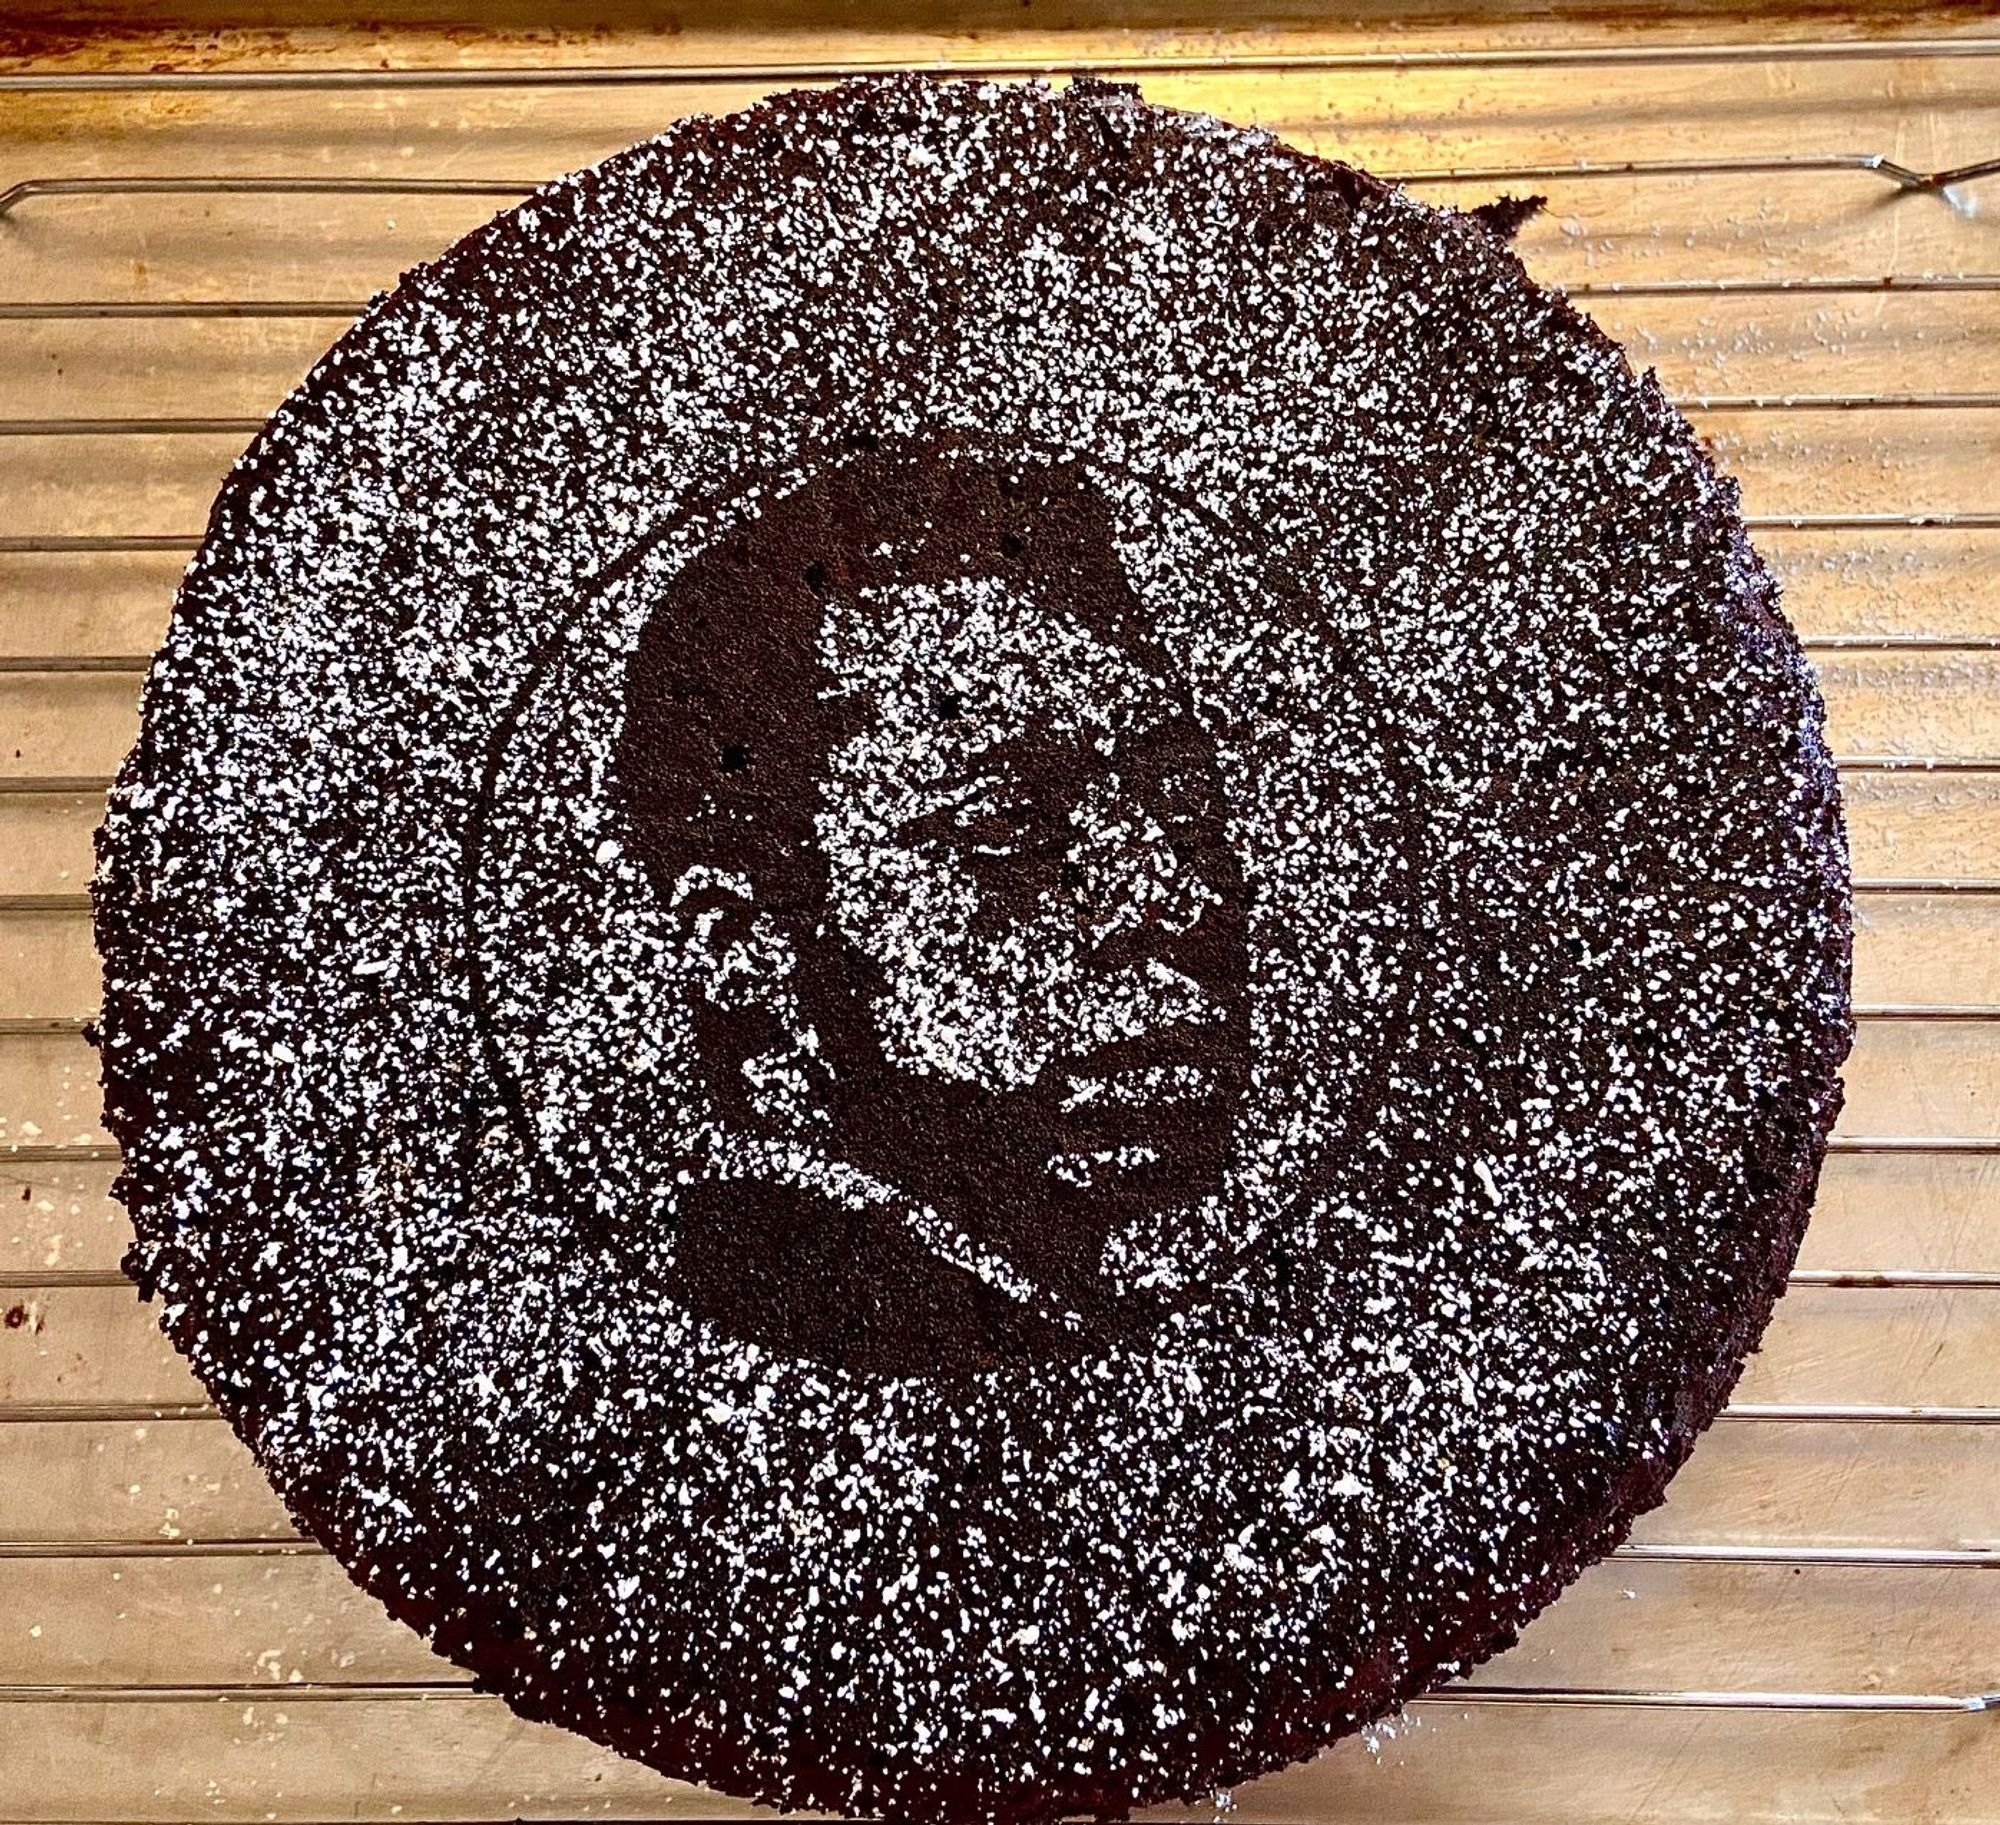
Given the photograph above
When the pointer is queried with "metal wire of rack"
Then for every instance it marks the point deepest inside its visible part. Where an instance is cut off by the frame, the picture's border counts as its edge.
(1900, 182)
(775, 72)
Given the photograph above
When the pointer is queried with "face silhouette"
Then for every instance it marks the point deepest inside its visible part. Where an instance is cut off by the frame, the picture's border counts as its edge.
(964, 925)
(1016, 847)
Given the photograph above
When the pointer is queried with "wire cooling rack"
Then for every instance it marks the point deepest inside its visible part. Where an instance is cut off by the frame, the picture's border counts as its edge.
(32, 1428)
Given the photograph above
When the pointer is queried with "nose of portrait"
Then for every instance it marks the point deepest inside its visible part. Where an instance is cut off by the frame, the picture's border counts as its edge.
(1124, 871)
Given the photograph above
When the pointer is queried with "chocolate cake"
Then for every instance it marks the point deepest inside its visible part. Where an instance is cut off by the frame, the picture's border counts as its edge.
(975, 951)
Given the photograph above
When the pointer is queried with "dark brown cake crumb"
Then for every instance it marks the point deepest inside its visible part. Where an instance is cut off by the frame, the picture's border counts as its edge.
(1506, 216)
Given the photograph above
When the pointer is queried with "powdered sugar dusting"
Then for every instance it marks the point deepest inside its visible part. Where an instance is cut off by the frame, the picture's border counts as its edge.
(1451, 682)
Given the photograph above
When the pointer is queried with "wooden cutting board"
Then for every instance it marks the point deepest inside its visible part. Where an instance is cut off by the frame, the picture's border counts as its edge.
(170, 1652)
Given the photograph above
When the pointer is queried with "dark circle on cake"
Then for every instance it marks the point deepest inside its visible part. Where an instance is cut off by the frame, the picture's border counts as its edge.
(1101, 946)
(692, 742)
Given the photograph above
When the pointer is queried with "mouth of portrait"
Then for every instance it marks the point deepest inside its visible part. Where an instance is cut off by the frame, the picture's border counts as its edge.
(947, 843)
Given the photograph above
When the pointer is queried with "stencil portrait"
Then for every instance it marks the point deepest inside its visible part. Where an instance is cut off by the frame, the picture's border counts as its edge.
(899, 931)
(947, 847)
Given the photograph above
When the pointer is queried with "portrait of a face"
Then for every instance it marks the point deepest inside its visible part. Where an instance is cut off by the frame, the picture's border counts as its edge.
(945, 848)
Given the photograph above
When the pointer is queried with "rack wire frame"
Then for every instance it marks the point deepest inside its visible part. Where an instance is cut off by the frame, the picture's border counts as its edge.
(1513, 57)
(1901, 182)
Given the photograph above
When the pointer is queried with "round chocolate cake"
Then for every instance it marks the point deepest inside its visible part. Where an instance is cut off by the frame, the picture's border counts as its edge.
(975, 952)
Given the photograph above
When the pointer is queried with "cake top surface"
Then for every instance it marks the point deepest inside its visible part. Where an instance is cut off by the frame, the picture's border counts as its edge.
(974, 951)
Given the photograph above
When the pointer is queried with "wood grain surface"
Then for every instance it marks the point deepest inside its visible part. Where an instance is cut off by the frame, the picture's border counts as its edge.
(171, 1651)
